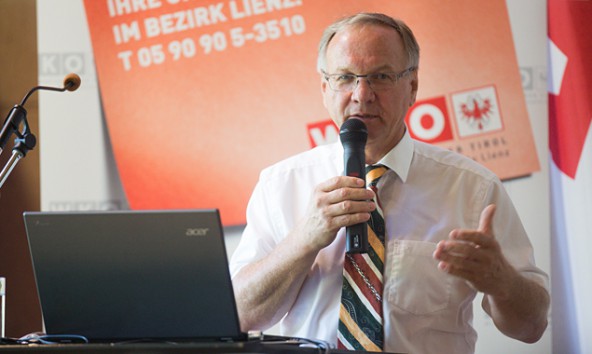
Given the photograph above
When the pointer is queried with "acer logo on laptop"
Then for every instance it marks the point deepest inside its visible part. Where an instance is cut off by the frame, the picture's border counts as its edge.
(197, 232)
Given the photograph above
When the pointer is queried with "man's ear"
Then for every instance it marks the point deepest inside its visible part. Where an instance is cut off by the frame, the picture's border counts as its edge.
(324, 88)
(414, 82)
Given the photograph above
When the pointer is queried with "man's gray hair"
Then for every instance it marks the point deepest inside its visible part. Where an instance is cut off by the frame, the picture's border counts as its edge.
(409, 42)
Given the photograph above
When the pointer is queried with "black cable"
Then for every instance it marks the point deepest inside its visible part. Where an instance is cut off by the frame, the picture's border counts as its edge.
(323, 346)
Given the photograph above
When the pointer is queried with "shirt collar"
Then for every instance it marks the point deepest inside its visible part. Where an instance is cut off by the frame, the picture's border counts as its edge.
(399, 158)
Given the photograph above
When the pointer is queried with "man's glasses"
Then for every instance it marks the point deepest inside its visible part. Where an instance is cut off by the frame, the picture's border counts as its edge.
(377, 81)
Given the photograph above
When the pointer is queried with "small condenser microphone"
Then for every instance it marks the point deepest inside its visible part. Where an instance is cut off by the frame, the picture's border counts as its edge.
(72, 82)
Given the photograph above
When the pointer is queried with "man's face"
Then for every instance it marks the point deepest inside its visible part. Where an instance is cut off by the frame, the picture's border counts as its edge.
(369, 49)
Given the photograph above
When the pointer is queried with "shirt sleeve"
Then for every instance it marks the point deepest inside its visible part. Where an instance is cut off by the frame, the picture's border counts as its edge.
(511, 235)
(257, 240)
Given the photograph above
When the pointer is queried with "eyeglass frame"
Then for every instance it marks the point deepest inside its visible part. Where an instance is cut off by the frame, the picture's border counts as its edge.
(396, 78)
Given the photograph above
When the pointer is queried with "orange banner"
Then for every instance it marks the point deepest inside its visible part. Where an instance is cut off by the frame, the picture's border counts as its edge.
(199, 96)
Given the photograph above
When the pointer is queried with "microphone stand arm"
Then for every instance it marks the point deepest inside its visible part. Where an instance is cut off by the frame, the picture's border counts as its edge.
(18, 114)
(24, 141)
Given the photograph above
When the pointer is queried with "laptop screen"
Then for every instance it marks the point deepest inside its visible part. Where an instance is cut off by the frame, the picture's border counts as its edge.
(125, 275)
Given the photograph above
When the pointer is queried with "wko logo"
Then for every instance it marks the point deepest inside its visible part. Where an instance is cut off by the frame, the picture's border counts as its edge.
(427, 121)
(475, 111)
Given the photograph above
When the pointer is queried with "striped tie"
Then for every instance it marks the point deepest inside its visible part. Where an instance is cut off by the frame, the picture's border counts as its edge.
(360, 314)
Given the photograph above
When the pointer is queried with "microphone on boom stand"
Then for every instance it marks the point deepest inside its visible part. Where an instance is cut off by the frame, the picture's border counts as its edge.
(17, 117)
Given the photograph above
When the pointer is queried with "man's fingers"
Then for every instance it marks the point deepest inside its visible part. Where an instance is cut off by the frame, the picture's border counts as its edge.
(344, 188)
(340, 182)
(483, 236)
(486, 220)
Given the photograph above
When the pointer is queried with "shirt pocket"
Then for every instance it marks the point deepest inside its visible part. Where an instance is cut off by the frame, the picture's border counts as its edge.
(415, 284)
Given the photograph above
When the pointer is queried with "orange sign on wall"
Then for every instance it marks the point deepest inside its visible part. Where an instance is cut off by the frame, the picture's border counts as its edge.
(199, 96)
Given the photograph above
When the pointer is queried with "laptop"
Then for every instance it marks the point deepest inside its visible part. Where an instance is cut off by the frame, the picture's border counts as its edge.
(133, 275)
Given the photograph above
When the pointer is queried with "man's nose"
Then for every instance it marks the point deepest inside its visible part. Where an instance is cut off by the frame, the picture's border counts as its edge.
(363, 90)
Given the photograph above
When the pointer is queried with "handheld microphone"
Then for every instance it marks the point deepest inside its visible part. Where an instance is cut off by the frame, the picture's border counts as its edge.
(353, 135)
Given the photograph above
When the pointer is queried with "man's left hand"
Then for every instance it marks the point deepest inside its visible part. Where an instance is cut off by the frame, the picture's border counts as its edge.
(476, 256)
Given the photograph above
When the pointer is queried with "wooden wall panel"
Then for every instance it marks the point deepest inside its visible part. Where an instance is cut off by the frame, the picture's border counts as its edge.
(18, 74)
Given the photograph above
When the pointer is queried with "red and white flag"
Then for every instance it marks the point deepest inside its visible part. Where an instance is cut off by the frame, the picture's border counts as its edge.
(570, 143)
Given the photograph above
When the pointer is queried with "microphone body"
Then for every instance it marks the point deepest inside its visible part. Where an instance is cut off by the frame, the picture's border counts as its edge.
(353, 135)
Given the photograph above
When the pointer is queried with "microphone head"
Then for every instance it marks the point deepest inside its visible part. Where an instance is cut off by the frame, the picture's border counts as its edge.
(72, 82)
(353, 131)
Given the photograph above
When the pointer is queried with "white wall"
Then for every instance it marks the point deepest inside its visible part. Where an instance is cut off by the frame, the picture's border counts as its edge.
(530, 195)
(78, 171)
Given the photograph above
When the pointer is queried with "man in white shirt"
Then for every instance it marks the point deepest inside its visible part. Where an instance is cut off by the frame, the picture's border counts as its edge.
(451, 229)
